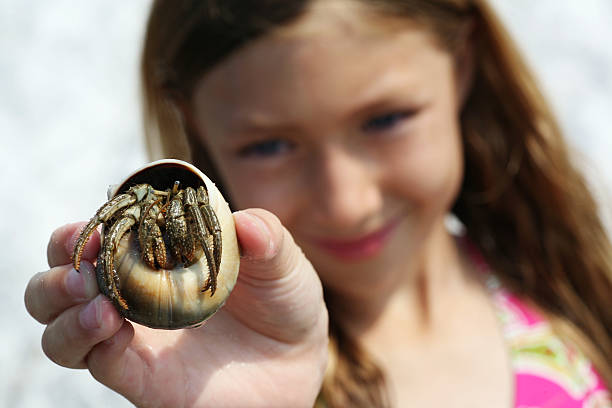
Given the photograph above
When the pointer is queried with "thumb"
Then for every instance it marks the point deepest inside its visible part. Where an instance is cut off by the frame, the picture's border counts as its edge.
(278, 292)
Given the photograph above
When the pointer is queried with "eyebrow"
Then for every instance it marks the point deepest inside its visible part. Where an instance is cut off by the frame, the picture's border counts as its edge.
(250, 124)
(386, 90)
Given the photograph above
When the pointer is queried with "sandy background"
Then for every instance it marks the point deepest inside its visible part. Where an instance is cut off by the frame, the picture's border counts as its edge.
(70, 125)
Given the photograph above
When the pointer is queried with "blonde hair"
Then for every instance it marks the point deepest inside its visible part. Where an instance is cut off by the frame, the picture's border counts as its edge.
(524, 204)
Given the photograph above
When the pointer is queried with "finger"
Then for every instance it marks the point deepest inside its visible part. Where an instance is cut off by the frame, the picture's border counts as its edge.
(70, 337)
(278, 292)
(268, 250)
(50, 293)
(61, 245)
(118, 367)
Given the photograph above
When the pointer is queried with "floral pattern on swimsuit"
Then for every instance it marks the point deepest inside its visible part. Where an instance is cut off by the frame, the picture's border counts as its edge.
(548, 372)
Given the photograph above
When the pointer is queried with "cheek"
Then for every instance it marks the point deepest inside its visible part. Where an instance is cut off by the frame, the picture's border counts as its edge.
(430, 173)
(278, 195)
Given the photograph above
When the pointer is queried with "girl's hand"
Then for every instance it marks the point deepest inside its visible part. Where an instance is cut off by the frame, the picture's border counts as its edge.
(266, 347)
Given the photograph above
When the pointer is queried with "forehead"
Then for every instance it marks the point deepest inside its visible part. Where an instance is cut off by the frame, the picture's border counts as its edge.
(334, 51)
(343, 17)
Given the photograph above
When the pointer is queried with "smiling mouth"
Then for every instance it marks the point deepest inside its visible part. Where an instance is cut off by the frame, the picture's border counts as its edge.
(360, 248)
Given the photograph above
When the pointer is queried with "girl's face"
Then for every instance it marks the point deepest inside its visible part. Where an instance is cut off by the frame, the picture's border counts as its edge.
(344, 125)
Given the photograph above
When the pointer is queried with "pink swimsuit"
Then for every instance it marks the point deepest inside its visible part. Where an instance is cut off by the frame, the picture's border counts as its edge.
(549, 373)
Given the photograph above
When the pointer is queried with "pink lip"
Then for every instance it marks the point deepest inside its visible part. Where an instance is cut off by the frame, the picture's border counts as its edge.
(360, 248)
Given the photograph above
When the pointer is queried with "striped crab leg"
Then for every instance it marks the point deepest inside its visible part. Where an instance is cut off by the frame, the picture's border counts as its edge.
(127, 219)
(105, 213)
(201, 232)
(209, 227)
(150, 237)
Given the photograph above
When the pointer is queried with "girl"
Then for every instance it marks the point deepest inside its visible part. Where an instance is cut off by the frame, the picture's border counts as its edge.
(361, 125)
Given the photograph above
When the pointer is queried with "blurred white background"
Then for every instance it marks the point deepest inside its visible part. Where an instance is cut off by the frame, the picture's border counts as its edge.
(70, 125)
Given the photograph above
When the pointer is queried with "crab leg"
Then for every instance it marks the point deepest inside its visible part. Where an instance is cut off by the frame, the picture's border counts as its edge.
(201, 232)
(214, 229)
(150, 237)
(111, 240)
(181, 241)
(105, 213)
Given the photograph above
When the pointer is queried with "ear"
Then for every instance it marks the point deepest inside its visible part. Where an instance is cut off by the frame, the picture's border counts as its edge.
(465, 64)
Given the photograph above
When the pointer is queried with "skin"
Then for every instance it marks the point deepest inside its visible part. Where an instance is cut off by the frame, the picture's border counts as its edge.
(327, 178)
(349, 123)
(273, 328)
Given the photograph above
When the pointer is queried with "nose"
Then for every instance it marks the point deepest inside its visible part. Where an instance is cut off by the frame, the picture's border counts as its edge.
(346, 191)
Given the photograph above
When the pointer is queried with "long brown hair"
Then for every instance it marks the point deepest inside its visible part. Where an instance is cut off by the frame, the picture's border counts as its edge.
(523, 202)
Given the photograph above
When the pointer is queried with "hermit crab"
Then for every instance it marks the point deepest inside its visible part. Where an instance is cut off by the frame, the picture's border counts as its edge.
(169, 256)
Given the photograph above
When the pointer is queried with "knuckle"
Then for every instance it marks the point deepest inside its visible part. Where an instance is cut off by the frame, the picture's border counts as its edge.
(55, 348)
(63, 342)
(55, 247)
(46, 294)
(61, 243)
(30, 290)
(35, 296)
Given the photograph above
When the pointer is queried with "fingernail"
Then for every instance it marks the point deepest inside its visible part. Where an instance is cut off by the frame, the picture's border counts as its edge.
(75, 284)
(89, 276)
(82, 285)
(91, 316)
(262, 228)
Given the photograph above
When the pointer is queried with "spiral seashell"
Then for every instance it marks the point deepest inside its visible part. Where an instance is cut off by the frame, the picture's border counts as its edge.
(180, 293)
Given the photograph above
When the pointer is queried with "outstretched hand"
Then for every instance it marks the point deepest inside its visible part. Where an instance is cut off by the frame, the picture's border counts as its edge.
(266, 347)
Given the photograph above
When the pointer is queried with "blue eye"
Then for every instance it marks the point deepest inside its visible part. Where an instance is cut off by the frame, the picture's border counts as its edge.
(266, 148)
(384, 122)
